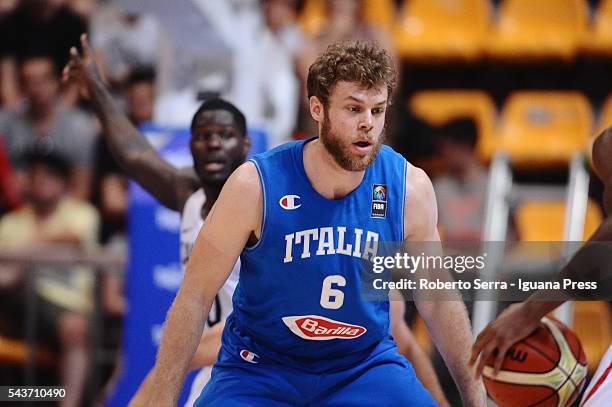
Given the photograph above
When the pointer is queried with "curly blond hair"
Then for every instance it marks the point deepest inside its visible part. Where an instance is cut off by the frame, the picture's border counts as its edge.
(351, 61)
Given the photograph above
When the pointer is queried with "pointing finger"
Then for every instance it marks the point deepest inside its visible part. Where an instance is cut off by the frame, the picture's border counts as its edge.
(74, 56)
(489, 349)
(477, 347)
(85, 47)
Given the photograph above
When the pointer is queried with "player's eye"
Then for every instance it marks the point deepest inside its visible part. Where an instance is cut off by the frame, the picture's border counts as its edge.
(354, 109)
(378, 111)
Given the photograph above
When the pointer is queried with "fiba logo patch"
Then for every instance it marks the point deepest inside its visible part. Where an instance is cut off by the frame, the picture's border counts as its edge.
(249, 356)
(379, 201)
(290, 202)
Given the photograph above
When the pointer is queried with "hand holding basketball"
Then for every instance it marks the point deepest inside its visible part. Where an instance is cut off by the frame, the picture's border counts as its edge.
(513, 324)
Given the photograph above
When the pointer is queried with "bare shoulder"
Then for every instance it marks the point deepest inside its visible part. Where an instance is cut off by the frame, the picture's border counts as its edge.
(421, 209)
(242, 195)
(418, 186)
(246, 179)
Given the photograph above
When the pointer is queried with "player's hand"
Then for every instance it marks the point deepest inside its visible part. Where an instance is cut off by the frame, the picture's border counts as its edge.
(512, 325)
(82, 69)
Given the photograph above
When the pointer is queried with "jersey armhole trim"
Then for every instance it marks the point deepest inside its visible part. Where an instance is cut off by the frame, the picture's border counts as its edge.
(403, 216)
(263, 215)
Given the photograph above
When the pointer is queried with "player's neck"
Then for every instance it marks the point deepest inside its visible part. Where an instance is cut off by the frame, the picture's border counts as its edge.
(325, 175)
(212, 193)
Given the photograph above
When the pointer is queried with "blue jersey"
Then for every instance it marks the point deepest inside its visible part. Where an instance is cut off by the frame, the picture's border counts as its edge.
(299, 298)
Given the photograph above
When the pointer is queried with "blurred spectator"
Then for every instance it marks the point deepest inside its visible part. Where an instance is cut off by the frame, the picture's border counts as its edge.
(36, 27)
(344, 21)
(63, 294)
(10, 195)
(461, 190)
(44, 123)
(140, 96)
(260, 78)
(122, 41)
(281, 17)
(6, 6)
(83, 8)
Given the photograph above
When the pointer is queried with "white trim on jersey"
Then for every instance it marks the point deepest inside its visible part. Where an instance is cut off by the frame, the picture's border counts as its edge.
(599, 392)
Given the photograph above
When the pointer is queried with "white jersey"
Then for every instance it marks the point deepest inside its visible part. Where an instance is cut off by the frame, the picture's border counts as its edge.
(191, 223)
(599, 392)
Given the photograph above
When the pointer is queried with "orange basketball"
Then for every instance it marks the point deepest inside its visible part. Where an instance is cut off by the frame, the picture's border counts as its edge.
(547, 368)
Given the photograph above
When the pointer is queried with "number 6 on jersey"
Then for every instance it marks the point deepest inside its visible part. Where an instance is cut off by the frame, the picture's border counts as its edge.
(332, 298)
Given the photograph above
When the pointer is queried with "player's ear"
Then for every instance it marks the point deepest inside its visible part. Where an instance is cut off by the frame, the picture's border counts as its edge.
(316, 109)
(246, 145)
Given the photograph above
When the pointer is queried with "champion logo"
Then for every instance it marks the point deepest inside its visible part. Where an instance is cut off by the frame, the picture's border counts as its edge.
(290, 202)
(318, 328)
(249, 356)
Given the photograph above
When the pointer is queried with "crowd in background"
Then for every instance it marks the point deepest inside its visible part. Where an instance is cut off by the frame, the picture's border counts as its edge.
(58, 181)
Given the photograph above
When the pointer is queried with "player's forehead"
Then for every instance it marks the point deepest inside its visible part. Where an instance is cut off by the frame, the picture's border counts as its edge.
(216, 118)
(345, 91)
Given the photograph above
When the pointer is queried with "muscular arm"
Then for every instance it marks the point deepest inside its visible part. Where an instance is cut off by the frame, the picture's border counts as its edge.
(441, 317)
(205, 355)
(410, 348)
(225, 232)
(131, 150)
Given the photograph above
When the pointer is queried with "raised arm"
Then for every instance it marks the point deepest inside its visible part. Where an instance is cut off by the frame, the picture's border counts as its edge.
(441, 317)
(232, 220)
(134, 154)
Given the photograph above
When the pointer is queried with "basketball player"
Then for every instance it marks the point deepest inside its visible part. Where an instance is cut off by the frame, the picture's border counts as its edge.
(214, 159)
(218, 145)
(519, 320)
(301, 219)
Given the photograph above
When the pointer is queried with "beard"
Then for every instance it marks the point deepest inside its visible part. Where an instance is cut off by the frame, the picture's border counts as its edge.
(340, 150)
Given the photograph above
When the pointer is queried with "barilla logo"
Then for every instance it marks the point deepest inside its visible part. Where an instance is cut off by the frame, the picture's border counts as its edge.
(317, 328)
(290, 202)
(249, 356)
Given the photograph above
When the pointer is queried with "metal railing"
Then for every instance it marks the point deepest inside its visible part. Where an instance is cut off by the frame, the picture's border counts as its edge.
(100, 260)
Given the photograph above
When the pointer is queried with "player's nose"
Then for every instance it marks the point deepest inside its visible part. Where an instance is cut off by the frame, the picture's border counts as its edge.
(367, 121)
(214, 141)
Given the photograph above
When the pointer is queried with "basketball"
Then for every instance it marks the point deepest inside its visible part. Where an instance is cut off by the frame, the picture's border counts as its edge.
(547, 368)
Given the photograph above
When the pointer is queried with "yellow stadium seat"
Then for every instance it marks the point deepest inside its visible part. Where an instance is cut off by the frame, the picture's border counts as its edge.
(598, 38)
(439, 106)
(377, 12)
(442, 29)
(543, 128)
(15, 351)
(541, 29)
(380, 12)
(544, 220)
(593, 325)
(312, 17)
